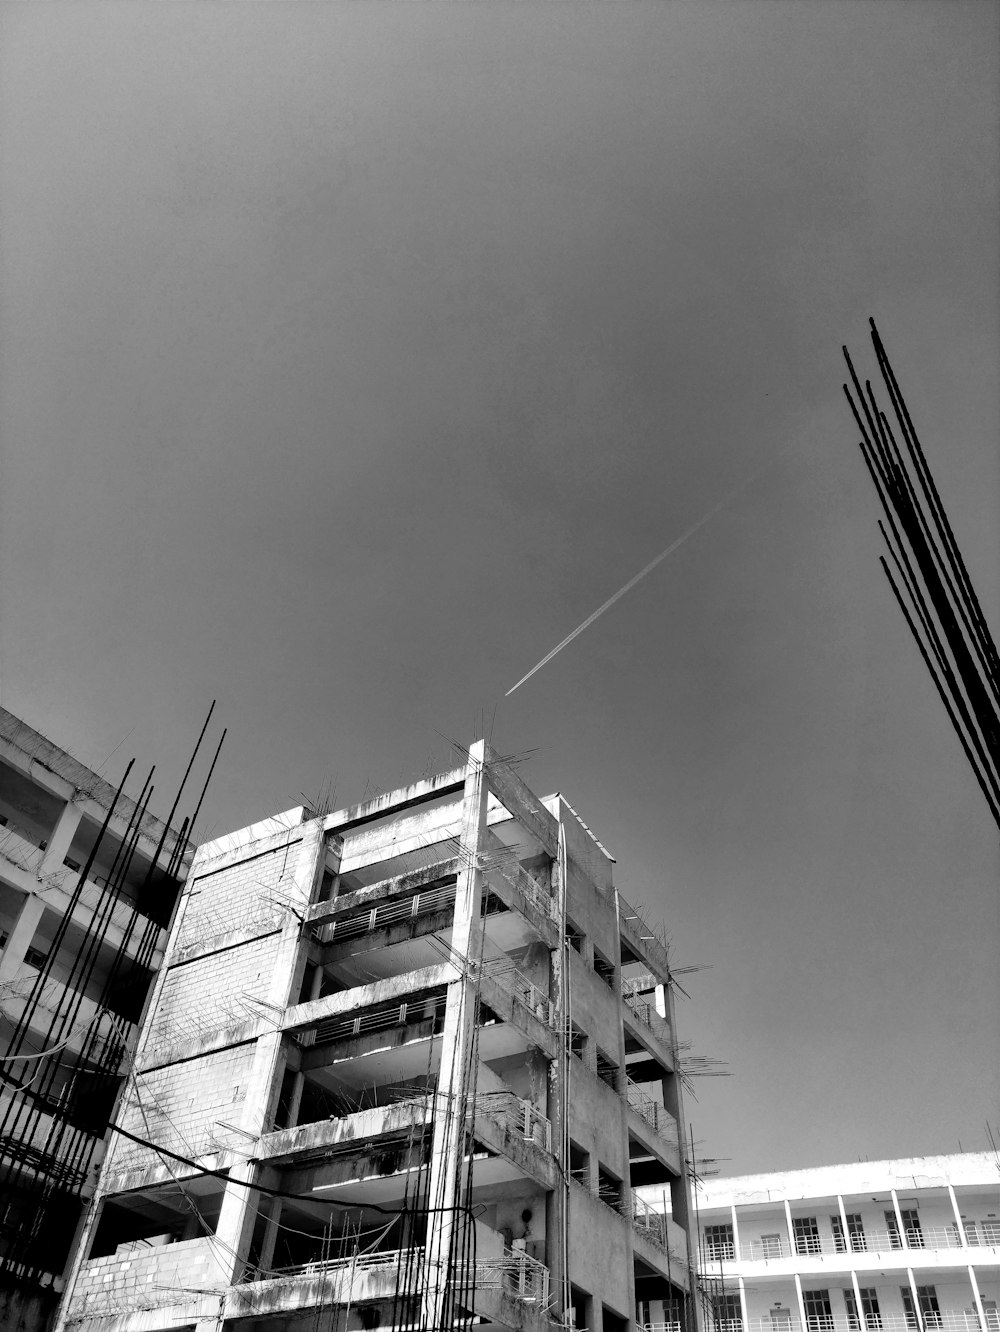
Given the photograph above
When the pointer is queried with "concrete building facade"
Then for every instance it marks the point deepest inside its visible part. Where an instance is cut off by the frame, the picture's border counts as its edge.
(884, 1246)
(405, 1065)
(87, 890)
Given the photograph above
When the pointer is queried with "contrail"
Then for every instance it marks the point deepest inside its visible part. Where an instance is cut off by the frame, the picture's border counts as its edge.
(648, 568)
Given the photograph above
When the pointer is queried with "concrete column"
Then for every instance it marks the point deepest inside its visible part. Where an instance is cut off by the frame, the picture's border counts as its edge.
(917, 1311)
(848, 1248)
(857, 1297)
(270, 1235)
(899, 1219)
(295, 1100)
(61, 839)
(791, 1229)
(458, 1045)
(743, 1301)
(977, 1298)
(736, 1234)
(962, 1237)
(21, 936)
(557, 1202)
(798, 1296)
(239, 1205)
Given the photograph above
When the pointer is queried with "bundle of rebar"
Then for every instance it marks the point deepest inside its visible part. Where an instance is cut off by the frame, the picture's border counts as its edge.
(54, 1119)
(929, 578)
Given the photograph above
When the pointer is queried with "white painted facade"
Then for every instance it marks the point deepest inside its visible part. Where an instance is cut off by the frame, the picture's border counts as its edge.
(906, 1245)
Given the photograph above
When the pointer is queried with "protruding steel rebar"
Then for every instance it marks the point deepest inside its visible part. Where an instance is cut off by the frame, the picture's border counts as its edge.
(934, 590)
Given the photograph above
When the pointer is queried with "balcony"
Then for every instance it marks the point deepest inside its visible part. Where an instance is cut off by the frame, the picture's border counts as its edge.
(653, 1113)
(786, 1321)
(642, 942)
(659, 1230)
(354, 924)
(501, 862)
(870, 1241)
(505, 974)
(369, 1275)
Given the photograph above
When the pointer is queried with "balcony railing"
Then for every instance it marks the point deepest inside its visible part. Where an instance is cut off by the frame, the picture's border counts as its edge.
(523, 1118)
(869, 1241)
(661, 1327)
(503, 862)
(514, 1272)
(356, 924)
(648, 1016)
(785, 1321)
(383, 1018)
(520, 1276)
(652, 1112)
(650, 1223)
(504, 973)
(633, 926)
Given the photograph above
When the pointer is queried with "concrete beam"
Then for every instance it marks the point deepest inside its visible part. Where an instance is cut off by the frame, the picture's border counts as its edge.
(367, 996)
(406, 797)
(523, 804)
(321, 912)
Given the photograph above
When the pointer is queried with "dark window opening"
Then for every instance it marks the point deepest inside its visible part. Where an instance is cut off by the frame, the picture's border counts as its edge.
(157, 1217)
(609, 1188)
(607, 1070)
(719, 1242)
(819, 1315)
(727, 1316)
(869, 1309)
(577, 1041)
(806, 1233)
(574, 935)
(282, 1115)
(605, 969)
(579, 1164)
(308, 978)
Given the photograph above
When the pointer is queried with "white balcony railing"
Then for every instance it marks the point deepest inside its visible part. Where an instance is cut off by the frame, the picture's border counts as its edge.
(784, 1320)
(868, 1241)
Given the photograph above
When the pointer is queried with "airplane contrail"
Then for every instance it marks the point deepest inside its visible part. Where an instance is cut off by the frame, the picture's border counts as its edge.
(648, 568)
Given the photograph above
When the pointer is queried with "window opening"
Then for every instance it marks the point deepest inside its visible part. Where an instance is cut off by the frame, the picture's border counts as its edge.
(869, 1309)
(806, 1233)
(719, 1242)
(728, 1316)
(579, 1164)
(819, 1315)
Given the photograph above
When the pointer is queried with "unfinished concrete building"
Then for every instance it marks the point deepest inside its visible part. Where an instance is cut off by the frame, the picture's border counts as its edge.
(88, 883)
(404, 1066)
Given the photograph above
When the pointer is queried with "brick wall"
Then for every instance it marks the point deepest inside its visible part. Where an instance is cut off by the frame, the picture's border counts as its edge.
(248, 895)
(213, 992)
(179, 1106)
(144, 1278)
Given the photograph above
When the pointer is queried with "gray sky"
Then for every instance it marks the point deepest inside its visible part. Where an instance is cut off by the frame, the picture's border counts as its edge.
(351, 355)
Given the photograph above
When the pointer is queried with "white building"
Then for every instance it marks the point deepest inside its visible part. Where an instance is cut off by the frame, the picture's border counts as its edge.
(890, 1245)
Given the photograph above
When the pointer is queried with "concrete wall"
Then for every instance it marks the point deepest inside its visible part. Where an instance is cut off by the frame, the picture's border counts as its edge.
(180, 1106)
(145, 1278)
(24, 1310)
